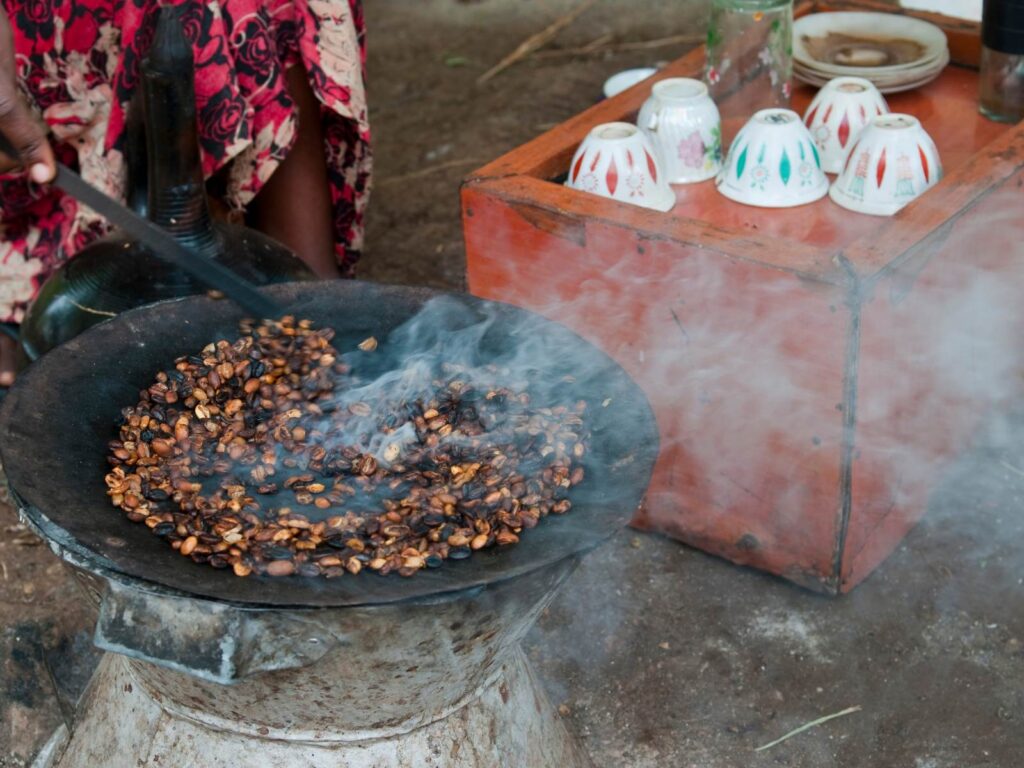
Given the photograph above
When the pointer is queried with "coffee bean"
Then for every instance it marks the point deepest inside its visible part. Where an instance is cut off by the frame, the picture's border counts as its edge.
(464, 464)
(280, 568)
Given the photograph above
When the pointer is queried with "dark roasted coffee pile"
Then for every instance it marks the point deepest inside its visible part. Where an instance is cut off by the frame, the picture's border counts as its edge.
(252, 455)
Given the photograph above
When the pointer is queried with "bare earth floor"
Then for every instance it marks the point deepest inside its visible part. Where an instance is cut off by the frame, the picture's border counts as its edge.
(657, 655)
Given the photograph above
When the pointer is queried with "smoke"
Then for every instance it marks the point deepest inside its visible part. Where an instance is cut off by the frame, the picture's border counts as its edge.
(810, 411)
(485, 350)
(807, 401)
(461, 382)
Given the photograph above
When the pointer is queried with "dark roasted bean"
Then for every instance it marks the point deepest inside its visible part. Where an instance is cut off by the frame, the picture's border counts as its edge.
(247, 418)
(276, 553)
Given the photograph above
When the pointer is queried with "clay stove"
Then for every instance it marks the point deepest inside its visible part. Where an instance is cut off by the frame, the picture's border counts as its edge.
(206, 669)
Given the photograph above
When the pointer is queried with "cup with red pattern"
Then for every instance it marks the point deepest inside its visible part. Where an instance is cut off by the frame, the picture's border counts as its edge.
(837, 115)
(892, 162)
(616, 160)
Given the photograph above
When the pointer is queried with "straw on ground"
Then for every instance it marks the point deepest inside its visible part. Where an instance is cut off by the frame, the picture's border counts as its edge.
(808, 726)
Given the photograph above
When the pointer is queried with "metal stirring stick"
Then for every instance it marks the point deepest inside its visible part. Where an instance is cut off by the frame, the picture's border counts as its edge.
(161, 242)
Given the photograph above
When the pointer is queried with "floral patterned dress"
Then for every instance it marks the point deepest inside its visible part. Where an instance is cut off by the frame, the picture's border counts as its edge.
(79, 63)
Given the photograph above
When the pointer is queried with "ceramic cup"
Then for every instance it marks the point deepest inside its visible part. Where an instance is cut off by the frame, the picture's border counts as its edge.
(837, 115)
(682, 123)
(773, 163)
(893, 161)
(617, 160)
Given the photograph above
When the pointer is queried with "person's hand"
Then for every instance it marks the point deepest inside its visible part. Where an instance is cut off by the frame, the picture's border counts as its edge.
(17, 122)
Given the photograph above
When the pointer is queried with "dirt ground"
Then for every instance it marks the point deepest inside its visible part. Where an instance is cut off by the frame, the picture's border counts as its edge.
(659, 655)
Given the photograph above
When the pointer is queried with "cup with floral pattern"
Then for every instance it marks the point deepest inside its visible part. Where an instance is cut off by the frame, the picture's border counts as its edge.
(773, 163)
(616, 160)
(683, 124)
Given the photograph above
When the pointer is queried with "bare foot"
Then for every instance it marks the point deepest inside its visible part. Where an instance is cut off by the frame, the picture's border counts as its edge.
(8, 360)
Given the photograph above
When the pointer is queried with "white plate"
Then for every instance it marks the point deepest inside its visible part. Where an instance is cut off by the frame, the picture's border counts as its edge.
(870, 27)
(881, 77)
(885, 85)
(619, 82)
(814, 66)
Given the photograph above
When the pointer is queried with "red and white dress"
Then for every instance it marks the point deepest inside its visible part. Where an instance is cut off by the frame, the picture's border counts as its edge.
(79, 63)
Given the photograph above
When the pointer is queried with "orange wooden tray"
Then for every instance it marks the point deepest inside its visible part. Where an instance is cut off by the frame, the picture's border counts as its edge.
(799, 361)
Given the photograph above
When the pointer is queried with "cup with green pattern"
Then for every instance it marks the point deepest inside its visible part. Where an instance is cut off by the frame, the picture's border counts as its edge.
(773, 163)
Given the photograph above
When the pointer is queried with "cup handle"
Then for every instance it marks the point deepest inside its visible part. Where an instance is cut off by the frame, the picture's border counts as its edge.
(652, 121)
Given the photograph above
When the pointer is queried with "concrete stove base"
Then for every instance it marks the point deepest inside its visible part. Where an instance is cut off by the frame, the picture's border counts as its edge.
(121, 724)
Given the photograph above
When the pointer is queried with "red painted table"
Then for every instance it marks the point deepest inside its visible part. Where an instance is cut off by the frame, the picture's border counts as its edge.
(813, 370)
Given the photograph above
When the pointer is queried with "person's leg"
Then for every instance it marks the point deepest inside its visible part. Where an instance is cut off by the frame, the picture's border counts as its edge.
(294, 206)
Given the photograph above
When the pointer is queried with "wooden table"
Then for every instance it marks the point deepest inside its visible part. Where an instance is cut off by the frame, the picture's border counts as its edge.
(812, 369)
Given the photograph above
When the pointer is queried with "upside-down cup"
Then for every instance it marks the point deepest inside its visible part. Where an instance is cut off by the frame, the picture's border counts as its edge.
(683, 124)
(773, 163)
(616, 160)
(892, 162)
(838, 114)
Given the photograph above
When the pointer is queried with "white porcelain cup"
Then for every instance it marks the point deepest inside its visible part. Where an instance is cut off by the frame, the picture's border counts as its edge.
(773, 163)
(683, 124)
(892, 162)
(618, 161)
(837, 115)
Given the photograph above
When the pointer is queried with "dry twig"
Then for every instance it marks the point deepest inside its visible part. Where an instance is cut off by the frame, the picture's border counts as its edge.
(430, 169)
(600, 46)
(808, 726)
(535, 41)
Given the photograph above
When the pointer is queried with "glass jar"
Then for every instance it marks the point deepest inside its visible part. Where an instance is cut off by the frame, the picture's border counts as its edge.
(1001, 76)
(749, 55)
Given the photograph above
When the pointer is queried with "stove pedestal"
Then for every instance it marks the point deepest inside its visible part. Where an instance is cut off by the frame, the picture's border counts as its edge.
(125, 725)
(434, 682)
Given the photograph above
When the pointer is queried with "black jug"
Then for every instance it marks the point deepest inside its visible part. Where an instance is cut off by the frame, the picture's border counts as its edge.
(116, 273)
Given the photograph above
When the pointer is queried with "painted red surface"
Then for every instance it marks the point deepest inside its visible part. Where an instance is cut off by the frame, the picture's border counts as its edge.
(795, 359)
(939, 351)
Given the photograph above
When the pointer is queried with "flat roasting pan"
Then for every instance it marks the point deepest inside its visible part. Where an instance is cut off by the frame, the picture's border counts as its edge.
(60, 414)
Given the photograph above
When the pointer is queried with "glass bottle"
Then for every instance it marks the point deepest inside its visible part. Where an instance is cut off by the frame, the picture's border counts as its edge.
(749, 55)
(1001, 79)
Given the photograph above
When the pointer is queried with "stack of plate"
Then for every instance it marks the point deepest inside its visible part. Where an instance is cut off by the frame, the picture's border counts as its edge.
(896, 53)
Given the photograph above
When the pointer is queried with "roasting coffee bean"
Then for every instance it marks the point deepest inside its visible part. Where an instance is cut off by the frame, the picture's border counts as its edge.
(277, 553)
(462, 465)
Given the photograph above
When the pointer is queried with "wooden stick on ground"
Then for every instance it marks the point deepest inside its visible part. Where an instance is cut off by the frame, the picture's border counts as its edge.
(635, 45)
(535, 41)
(593, 45)
(430, 169)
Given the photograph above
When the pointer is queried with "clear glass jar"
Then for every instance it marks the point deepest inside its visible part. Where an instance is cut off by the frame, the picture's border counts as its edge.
(749, 55)
(1001, 75)
(1001, 86)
